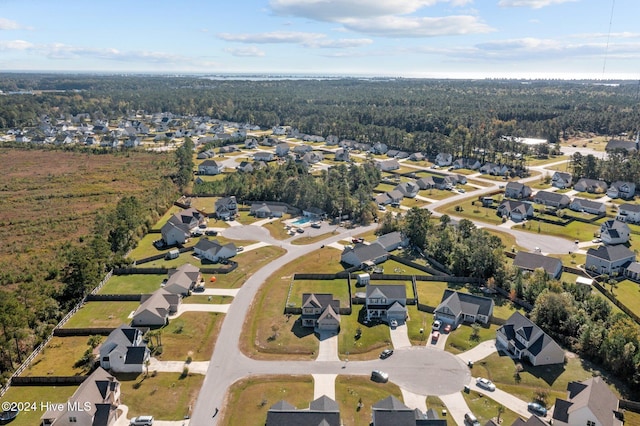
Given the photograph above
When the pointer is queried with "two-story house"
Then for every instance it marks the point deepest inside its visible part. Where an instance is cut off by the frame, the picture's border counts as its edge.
(614, 232)
(532, 261)
(320, 311)
(226, 207)
(608, 259)
(386, 302)
(591, 185)
(210, 167)
(525, 340)
(517, 190)
(620, 189)
(561, 180)
(629, 213)
(515, 210)
(124, 351)
(179, 226)
(588, 403)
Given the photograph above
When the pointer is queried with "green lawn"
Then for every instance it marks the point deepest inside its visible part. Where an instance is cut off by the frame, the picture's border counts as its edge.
(418, 320)
(145, 247)
(191, 334)
(471, 212)
(486, 408)
(436, 194)
(248, 263)
(201, 298)
(177, 394)
(375, 336)
(460, 339)
(36, 395)
(430, 292)
(249, 399)
(132, 284)
(161, 222)
(59, 356)
(338, 288)
(101, 314)
(628, 293)
(352, 390)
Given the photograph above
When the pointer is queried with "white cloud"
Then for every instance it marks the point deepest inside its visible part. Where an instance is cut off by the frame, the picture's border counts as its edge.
(6, 24)
(398, 26)
(245, 51)
(337, 10)
(15, 45)
(534, 4)
(312, 40)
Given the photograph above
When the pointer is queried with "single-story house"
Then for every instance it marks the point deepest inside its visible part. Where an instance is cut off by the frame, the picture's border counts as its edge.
(392, 241)
(629, 213)
(364, 254)
(392, 153)
(155, 308)
(587, 206)
(394, 196)
(213, 251)
(591, 185)
(417, 156)
(324, 411)
(312, 157)
(466, 163)
(552, 199)
(517, 190)
(561, 180)
(266, 209)
(315, 213)
(321, 311)
(226, 207)
(388, 165)
(124, 351)
(101, 390)
(302, 149)
(408, 189)
(250, 143)
(456, 308)
(444, 159)
(379, 148)
(210, 167)
(590, 403)
(391, 411)
(633, 271)
(622, 145)
(620, 189)
(282, 149)
(515, 210)
(183, 279)
(609, 259)
(525, 340)
(614, 232)
(532, 261)
(263, 156)
(386, 302)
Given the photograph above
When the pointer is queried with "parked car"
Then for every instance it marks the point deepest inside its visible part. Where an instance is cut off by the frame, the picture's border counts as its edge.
(537, 409)
(435, 336)
(300, 231)
(447, 328)
(142, 421)
(436, 325)
(239, 248)
(485, 384)
(471, 420)
(386, 353)
(393, 323)
(211, 232)
(379, 376)
(596, 240)
(316, 225)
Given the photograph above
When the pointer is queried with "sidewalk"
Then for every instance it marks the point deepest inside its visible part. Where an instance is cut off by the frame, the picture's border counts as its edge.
(457, 407)
(413, 400)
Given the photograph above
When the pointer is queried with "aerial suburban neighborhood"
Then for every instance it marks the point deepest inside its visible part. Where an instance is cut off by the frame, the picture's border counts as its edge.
(421, 288)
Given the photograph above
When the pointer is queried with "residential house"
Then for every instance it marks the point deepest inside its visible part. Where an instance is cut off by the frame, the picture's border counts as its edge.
(517, 190)
(263, 156)
(391, 411)
(495, 169)
(386, 302)
(183, 279)
(321, 311)
(391, 197)
(179, 226)
(629, 213)
(364, 255)
(213, 251)
(552, 199)
(417, 156)
(401, 155)
(591, 185)
(588, 206)
(456, 308)
(315, 213)
(250, 143)
(561, 180)
(532, 261)
(444, 159)
(279, 130)
(524, 340)
(228, 149)
(203, 155)
(282, 149)
(102, 393)
(466, 163)
(312, 157)
(132, 142)
(408, 189)
(155, 308)
(324, 411)
(226, 207)
(392, 241)
(590, 403)
(124, 351)
(620, 189)
(392, 153)
(210, 167)
(614, 232)
(619, 145)
(379, 148)
(342, 155)
(437, 182)
(302, 149)
(265, 209)
(515, 210)
(609, 259)
(388, 165)
(332, 140)
(633, 271)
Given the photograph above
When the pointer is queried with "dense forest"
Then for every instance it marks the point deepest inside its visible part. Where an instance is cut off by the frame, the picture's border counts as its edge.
(410, 114)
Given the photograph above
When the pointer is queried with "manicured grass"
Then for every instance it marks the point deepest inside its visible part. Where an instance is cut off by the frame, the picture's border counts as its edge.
(573, 230)
(166, 396)
(246, 219)
(249, 399)
(100, 314)
(375, 336)
(145, 247)
(191, 334)
(533, 161)
(471, 212)
(186, 257)
(59, 357)
(339, 289)
(163, 220)
(248, 263)
(384, 187)
(504, 308)
(430, 292)
(628, 293)
(36, 395)
(486, 408)
(459, 340)
(418, 320)
(436, 194)
(310, 240)
(277, 228)
(352, 390)
(267, 331)
(437, 404)
(132, 284)
(201, 298)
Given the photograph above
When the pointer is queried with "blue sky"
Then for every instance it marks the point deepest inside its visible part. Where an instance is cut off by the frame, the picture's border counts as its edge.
(409, 38)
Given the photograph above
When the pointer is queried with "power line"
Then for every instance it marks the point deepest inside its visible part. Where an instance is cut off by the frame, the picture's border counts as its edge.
(606, 49)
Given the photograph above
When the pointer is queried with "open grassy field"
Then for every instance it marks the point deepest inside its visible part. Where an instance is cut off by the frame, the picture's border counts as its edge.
(191, 334)
(267, 331)
(132, 284)
(177, 393)
(57, 194)
(36, 395)
(471, 212)
(100, 314)
(351, 390)
(249, 399)
(338, 288)
(59, 357)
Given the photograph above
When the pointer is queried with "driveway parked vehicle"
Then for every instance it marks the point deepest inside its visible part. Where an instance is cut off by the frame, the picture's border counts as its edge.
(393, 323)
(436, 325)
(435, 336)
(379, 376)
(386, 353)
(485, 384)
(537, 409)
(142, 421)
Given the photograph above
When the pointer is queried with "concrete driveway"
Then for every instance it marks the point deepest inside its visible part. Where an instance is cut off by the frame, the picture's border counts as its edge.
(414, 400)
(400, 336)
(511, 402)
(328, 350)
(324, 384)
(481, 351)
(219, 292)
(200, 307)
(457, 407)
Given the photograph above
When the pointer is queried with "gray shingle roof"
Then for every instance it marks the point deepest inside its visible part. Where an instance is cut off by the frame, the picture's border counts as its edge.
(464, 302)
(611, 253)
(533, 261)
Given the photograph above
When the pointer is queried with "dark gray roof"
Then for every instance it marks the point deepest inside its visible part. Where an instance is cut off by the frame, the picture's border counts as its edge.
(590, 204)
(366, 252)
(533, 261)
(551, 197)
(322, 412)
(519, 324)
(593, 393)
(467, 303)
(391, 291)
(611, 253)
(136, 355)
(615, 144)
(630, 207)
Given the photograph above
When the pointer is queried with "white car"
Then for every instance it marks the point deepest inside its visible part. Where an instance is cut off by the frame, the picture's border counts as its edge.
(485, 384)
(436, 325)
(393, 323)
(142, 421)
